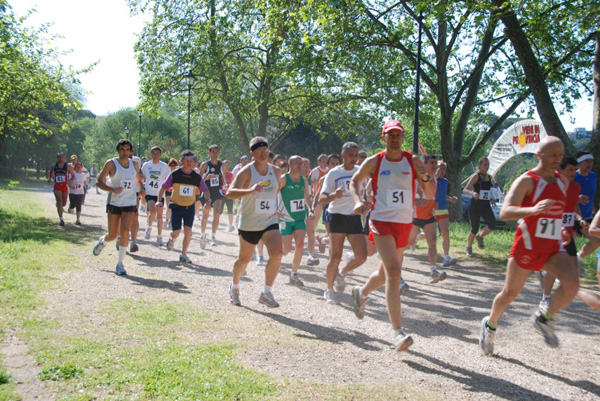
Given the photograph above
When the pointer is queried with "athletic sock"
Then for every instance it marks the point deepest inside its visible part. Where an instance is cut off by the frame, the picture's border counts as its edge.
(122, 250)
(235, 286)
(491, 325)
(545, 297)
(267, 289)
(432, 269)
(546, 316)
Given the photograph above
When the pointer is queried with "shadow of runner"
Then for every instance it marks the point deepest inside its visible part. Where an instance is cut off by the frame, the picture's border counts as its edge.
(323, 333)
(161, 284)
(476, 382)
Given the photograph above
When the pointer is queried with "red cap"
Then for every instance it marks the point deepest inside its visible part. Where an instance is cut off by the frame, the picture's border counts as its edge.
(392, 125)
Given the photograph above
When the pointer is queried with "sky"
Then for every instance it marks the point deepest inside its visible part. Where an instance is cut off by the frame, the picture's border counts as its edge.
(104, 31)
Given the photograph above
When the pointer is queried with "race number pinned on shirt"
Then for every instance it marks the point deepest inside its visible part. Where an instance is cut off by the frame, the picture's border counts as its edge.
(127, 185)
(568, 219)
(549, 228)
(265, 206)
(214, 181)
(186, 190)
(484, 195)
(297, 205)
(398, 198)
(59, 178)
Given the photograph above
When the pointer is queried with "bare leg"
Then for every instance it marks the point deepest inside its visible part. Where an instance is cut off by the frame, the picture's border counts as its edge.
(565, 270)
(515, 279)
(299, 240)
(444, 229)
(430, 235)
(359, 247)
(336, 242)
(187, 237)
(391, 259)
(216, 216)
(239, 266)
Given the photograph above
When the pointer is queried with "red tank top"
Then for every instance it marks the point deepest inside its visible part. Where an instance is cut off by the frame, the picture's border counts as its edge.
(543, 232)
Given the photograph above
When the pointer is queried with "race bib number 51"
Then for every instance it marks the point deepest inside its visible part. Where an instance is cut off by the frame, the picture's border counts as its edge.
(398, 198)
(265, 206)
(549, 228)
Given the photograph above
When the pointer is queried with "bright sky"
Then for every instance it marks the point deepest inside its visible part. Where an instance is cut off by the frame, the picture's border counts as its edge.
(104, 30)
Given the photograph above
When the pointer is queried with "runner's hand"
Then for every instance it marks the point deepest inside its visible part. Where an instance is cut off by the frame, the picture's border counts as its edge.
(257, 188)
(117, 190)
(543, 206)
(566, 237)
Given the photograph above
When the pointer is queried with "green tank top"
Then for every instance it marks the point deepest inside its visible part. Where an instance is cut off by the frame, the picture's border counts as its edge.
(294, 204)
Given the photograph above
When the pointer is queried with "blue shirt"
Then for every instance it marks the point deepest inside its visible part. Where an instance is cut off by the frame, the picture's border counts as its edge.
(588, 188)
(442, 193)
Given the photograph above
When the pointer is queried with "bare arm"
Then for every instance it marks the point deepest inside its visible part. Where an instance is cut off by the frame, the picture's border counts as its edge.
(512, 209)
(239, 187)
(595, 226)
(367, 169)
(467, 189)
(107, 171)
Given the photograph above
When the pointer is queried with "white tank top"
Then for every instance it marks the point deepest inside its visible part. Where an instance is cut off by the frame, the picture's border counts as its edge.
(125, 178)
(259, 209)
(78, 179)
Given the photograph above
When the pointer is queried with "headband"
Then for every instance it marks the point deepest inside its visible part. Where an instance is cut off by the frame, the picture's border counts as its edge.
(585, 157)
(187, 157)
(258, 145)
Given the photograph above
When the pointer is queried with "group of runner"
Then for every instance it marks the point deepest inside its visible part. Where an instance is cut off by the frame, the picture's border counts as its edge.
(378, 204)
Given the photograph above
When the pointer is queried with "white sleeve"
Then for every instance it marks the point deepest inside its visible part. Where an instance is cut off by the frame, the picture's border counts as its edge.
(328, 184)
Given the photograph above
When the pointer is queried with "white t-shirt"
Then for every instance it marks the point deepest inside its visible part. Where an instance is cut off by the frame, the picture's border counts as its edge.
(154, 176)
(77, 182)
(336, 178)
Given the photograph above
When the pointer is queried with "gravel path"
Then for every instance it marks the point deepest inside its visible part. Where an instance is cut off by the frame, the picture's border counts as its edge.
(308, 339)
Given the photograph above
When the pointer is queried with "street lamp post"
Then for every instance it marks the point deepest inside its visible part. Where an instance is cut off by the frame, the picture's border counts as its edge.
(126, 132)
(418, 88)
(140, 136)
(189, 80)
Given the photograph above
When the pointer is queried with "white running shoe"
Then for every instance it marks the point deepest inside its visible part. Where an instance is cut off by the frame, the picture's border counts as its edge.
(437, 275)
(340, 283)
(359, 302)
(184, 258)
(266, 298)
(402, 340)
(312, 261)
(330, 297)
(260, 261)
(349, 256)
(545, 303)
(295, 280)
(148, 233)
(159, 241)
(99, 247)
(486, 339)
(121, 270)
(448, 261)
(546, 328)
(403, 287)
(170, 244)
(212, 240)
(234, 295)
(202, 241)
(231, 228)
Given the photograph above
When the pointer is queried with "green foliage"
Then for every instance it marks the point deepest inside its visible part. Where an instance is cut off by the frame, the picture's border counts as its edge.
(61, 372)
(4, 377)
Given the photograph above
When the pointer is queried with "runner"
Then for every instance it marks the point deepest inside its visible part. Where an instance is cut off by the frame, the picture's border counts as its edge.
(312, 222)
(333, 160)
(590, 298)
(228, 179)
(121, 203)
(154, 173)
(293, 207)
(257, 184)
(173, 165)
(59, 173)
(588, 181)
(343, 222)
(93, 177)
(211, 172)
(243, 162)
(135, 222)
(480, 206)
(78, 185)
(537, 199)
(184, 182)
(394, 174)
(441, 213)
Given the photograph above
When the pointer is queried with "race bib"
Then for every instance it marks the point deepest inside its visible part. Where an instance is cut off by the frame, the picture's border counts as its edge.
(568, 219)
(59, 178)
(297, 205)
(265, 206)
(153, 184)
(548, 228)
(186, 190)
(78, 186)
(127, 185)
(484, 195)
(214, 182)
(398, 198)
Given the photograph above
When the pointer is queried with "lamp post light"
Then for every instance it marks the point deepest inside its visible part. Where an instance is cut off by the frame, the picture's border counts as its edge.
(140, 136)
(189, 80)
(126, 132)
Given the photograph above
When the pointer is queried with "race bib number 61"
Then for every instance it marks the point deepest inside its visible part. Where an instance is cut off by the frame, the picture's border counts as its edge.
(186, 190)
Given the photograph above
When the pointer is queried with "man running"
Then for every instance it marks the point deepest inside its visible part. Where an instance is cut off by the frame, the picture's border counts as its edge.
(293, 207)
(78, 185)
(394, 174)
(441, 213)
(122, 199)
(343, 222)
(257, 184)
(59, 173)
(311, 223)
(185, 182)
(211, 172)
(154, 172)
(588, 181)
(537, 199)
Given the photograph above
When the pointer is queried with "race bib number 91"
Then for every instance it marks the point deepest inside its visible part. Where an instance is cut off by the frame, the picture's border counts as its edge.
(186, 190)
(265, 206)
(398, 198)
(549, 228)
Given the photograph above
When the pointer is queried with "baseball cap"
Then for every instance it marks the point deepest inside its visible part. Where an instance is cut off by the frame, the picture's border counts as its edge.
(392, 125)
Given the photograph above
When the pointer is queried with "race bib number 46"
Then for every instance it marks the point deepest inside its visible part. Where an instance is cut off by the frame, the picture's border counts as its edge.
(398, 198)
(186, 190)
(484, 195)
(265, 206)
(297, 205)
(549, 228)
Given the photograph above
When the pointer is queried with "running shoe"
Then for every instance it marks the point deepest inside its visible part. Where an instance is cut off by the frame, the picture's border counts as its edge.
(479, 241)
(266, 298)
(359, 302)
(437, 275)
(120, 269)
(546, 328)
(148, 233)
(77, 223)
(133, 247)
(99, 247)
(330, 297)
(159, 241)
(448, 261)
(61, 222)
(402, 340)
(312, 261)
(142, 208)
(231, 228)
(212, 240)
(170, 244)
(184, 258)
(321, 243)
(234, 295)
(260, 261)
(403, 287)
(340, 283)
(486, 339)
(295, 280)
(202, 241)
(469, 251)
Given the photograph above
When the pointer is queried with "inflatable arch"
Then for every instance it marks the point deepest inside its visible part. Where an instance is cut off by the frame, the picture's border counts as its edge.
(521, 137)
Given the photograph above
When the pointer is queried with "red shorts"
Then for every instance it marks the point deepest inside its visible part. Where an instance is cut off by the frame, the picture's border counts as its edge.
(439, 217)
(529, 259)
(61, 187)
(400, 231)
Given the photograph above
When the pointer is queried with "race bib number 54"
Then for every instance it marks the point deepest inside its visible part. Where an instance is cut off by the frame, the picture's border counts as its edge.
(549, 228)
(398, 198)
(265, 206)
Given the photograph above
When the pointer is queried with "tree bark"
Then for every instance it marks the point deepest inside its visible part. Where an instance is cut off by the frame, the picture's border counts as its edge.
(533, 73)
(594, 145)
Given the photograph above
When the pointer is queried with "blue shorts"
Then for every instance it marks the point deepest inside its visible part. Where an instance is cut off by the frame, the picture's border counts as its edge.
(182, 213)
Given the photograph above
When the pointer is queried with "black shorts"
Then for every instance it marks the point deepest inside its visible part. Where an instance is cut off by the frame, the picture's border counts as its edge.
(345, 224)
(571, 248)
(229, 203)
(153, 198)
(181, 214)
(254, 236)
(120, 209)
(366, 229)
(422, 223)
(212, 203)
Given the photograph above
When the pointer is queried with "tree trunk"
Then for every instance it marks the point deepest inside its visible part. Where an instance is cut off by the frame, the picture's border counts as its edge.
(533, 73)
(594, 145)
(453, 174)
